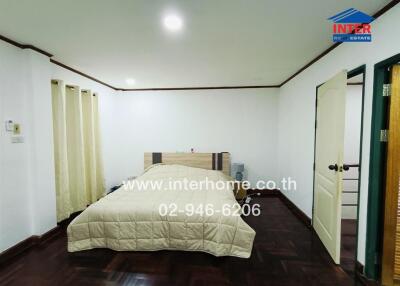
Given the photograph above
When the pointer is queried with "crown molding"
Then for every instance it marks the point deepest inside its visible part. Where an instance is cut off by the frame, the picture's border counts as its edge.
(25, 46)
(82, 74)
(383, 10)
(202, 87)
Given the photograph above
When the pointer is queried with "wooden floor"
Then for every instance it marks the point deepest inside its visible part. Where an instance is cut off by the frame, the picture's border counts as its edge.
(348, 245)
(285, 252)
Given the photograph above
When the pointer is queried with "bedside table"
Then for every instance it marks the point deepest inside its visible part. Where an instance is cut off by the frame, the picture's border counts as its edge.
(239, 192)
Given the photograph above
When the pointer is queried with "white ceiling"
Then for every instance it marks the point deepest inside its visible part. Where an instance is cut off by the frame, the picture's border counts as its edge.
(223, 42)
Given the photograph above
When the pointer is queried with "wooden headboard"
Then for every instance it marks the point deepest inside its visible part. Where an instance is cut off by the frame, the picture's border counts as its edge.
(210, 161)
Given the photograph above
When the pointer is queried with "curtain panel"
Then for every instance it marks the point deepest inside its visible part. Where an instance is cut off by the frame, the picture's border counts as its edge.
(78, 162)
(93, 162)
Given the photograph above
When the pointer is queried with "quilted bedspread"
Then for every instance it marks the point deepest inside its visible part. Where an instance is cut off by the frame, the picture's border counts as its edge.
(130, 219)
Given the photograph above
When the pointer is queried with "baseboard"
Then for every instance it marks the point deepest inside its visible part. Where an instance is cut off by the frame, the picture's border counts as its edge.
(52, 233)
(264, 192)
(295, 210)
(362, 278)
(35, 240)
(28, 244)
(291, 206)
(17, 249)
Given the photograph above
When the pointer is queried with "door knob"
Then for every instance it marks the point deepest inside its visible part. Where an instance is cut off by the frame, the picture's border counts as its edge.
(333, 167)
(347, 167)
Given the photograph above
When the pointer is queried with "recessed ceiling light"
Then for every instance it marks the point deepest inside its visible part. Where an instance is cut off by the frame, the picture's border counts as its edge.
(173, 22)
(130, 81)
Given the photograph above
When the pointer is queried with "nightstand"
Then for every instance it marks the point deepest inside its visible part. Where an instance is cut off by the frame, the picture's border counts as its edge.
(239, 192)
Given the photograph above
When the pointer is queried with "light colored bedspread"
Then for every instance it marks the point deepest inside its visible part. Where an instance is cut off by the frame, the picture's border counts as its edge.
(129, 219)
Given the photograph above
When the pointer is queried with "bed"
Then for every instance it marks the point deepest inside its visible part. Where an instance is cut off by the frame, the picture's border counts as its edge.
(142, 219)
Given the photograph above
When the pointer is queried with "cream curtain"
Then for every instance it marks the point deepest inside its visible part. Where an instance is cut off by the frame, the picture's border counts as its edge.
(93, 163)
(63, 199)
(100, 183)
(76, 167)
(78, 163)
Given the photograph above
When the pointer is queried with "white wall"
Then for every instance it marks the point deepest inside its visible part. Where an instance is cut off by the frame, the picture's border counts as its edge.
(242, 122)
(27, 193)
(27, 204)
(297, 110)
(15, 207)
(39, 131)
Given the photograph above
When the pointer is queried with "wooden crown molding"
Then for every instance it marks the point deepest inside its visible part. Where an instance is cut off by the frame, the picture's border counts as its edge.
(25, 46)
(383, 10)
(161, 88)
(386, 8)
(82, 74)
(202, 87)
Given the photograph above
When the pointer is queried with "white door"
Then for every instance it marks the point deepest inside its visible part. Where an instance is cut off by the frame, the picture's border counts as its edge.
(331, 101)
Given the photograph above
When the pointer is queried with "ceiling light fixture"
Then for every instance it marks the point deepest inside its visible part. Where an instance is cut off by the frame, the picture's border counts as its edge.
(130, 81)
(173, 23)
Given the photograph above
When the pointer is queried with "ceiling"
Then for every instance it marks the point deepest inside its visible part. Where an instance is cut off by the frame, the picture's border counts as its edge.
(222, 43)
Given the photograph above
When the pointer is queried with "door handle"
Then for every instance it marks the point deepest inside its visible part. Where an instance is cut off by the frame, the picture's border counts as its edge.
(346, 167)
(333, 167)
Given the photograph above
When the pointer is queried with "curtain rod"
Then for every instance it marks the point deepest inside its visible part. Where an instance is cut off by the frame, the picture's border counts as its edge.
(70, 86)
(53, 81)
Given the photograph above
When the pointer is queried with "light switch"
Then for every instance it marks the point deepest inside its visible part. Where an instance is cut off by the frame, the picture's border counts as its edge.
(9, 125)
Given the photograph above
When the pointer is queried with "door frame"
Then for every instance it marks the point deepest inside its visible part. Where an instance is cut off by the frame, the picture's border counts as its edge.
(377, 170)
(359, 70)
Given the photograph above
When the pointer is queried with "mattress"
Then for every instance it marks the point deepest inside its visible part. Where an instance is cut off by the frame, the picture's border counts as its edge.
(159, 216)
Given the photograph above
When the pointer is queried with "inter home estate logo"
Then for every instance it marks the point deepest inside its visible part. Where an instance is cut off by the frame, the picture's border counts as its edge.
(351, 25)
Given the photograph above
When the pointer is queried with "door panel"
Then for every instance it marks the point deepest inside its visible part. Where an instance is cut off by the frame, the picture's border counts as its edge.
(391, 237)
(329, 140)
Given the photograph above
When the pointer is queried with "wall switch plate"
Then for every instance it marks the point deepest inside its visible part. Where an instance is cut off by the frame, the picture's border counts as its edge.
(17, 139)
(9, 125)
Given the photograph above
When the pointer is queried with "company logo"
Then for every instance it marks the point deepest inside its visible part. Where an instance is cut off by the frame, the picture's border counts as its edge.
(351, 25)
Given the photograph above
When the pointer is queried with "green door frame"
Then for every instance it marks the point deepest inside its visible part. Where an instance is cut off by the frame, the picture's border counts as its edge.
(377, 167)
